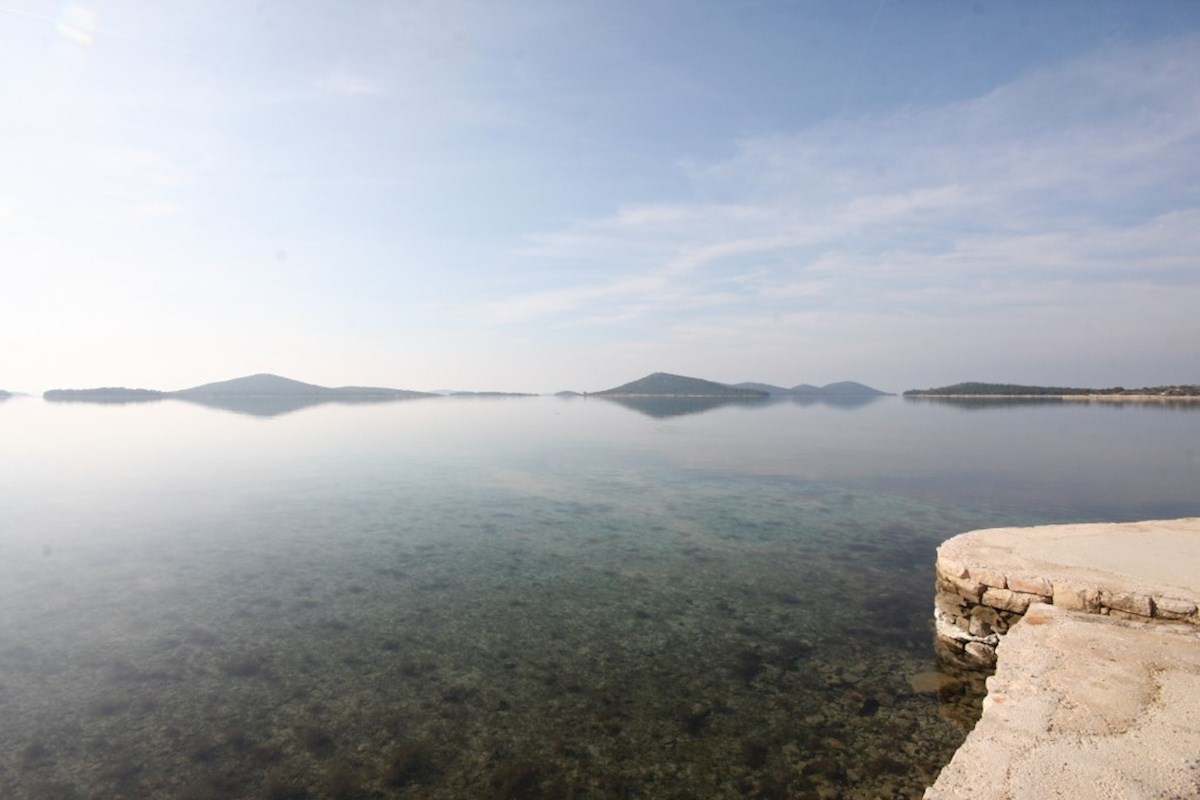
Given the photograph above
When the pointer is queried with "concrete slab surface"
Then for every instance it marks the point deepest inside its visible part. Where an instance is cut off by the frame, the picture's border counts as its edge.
(1085, 706)
(1157, 557)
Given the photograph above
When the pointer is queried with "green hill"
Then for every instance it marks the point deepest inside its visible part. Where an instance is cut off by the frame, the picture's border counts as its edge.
(840, 389)
(664, 384)
(850, 388)
(267, 385)
(769, 388)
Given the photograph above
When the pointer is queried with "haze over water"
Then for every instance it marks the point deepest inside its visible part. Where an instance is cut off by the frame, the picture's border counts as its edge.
(515, 598)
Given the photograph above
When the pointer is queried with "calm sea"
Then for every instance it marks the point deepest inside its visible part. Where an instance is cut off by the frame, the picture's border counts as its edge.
(515, 598)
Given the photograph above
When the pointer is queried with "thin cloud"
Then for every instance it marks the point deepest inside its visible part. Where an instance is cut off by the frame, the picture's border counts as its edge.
(1081, 174)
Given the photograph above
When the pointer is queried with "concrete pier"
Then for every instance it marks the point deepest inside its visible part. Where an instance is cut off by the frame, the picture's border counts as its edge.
(1095, 635)
(987, 580)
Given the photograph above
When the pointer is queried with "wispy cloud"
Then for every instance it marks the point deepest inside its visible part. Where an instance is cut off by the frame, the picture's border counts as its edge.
(1005, 204)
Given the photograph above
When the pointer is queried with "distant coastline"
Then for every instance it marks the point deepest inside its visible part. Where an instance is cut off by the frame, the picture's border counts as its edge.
(272, 390)
(261, 395)
(1130, 396)
(984, 391)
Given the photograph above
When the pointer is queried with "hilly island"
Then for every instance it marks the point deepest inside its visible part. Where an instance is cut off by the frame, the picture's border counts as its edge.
(261, 395)
(839, 389)
(260, 385)
(664, 384)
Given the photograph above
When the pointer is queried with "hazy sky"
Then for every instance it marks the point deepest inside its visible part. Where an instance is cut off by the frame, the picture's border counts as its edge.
(570, 194)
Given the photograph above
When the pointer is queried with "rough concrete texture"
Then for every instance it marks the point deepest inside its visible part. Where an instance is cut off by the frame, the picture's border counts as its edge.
(1083, 705)
(1153, 557)
(1159, 558)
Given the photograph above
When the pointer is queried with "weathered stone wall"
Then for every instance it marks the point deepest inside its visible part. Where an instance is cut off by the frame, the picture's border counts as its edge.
(976, 604)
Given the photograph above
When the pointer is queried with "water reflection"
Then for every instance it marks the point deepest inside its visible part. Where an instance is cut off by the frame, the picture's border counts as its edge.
(107, 400)
(249, 405)
(843, 401)
(278, 405)
(664, 407)
(656, 407)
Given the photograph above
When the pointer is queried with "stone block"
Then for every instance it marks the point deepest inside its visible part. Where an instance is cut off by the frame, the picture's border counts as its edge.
(988, 577)
(948, 651)
(986, 614)
(1074, 598)
(967, 588)
(950, 604)
(951, 569)
(951, 628)
(1007, 600)
(979, 628)
(1021, 583)
(980, 653)
(986, 617)
(1172, 608)
(1128, 602)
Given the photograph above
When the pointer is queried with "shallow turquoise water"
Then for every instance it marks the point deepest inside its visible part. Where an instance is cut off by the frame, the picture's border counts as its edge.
(514, 598)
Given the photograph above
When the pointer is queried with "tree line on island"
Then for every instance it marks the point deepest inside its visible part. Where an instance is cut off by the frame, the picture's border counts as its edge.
(978, 389)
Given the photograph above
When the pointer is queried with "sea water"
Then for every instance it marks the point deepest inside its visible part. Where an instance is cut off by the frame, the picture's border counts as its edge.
(516, 598)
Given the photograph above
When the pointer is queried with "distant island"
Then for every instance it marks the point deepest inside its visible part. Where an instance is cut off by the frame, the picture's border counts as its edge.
(5, 395)
(105, 394)
(664, 384)
(265, 394)
(267, 385)
(261, 395)
(977, 389)
(260, 385)
(839, 389)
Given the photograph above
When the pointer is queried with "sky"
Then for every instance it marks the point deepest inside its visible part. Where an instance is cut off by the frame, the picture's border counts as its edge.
(543, 195)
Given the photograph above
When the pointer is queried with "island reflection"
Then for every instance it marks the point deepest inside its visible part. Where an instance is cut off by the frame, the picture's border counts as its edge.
(666, 407)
